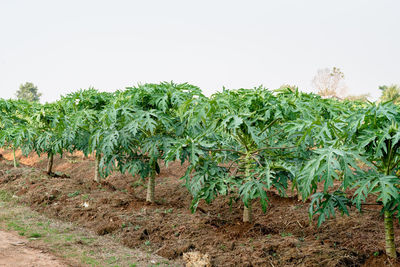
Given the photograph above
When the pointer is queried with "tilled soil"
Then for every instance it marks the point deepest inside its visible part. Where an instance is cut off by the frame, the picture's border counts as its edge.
(283, 236)
(14, 252)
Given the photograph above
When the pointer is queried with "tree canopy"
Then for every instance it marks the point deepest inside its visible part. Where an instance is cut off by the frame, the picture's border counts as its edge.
(28, 92)
(390, 93)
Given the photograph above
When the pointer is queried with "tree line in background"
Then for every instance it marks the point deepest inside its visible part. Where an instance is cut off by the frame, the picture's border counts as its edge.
(238, 143)
(328, 83)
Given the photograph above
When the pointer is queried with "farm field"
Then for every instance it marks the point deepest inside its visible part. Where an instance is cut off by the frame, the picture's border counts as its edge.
(280, 237)
(245, 177)
(195, 134)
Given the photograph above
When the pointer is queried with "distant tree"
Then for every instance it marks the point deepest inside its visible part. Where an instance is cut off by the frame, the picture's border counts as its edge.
(363, 97)
(288, 86)
(29, 92)
(329, 83)
(391, 92)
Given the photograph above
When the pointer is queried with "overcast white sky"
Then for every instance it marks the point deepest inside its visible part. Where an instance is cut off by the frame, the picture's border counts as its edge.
(62, 46)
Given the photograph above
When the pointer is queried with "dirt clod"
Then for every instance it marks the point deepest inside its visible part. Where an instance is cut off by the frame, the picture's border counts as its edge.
(196, 259)
(107, 229)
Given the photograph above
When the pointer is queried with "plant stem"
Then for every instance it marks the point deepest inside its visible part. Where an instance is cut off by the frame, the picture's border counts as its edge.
(50, 157)
(221, 150)
(389, 235)
(299, 195)
(273, 147)
(97, 168)
(247, 211)
(15, 159)
(151, 187)
(389, 229)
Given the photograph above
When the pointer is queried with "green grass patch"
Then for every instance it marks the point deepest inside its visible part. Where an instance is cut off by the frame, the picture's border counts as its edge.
(65, 240)
(35, 235)
(74, 194)
(5, 196)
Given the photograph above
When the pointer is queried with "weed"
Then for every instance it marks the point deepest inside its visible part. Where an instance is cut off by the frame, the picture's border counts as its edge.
(137, 183)
(16, 227)
(5, 196)
(74, 194)
(283, 234)
(35, 235)
(169, 210)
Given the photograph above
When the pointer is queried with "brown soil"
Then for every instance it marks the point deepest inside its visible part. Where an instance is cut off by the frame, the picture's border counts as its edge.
(14, 252)
(282, 236)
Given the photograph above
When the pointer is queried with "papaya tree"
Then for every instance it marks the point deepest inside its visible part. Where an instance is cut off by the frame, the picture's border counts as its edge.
(139, 126)
(51, 137)
(82, 110)
(237, 147)
(369, 138)
(15, 131)
(314, 124)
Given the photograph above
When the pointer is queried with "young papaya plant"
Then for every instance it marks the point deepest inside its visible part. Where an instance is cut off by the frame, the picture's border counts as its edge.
(369, 138)
(15, 131)
(82, 110)
(139, 126)
(237, 147)
(48, 122)
(313, 124)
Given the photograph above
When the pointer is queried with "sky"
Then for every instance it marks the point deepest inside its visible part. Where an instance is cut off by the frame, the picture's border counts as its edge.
(64, 46)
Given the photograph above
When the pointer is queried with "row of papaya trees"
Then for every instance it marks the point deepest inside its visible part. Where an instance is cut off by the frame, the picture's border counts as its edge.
(238, 143)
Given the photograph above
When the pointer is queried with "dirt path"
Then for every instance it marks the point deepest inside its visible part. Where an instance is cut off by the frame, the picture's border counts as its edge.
(14, 252)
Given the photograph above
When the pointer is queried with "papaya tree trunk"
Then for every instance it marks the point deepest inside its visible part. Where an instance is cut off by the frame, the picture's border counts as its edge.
(247, 211)
(389, 235)
(50, 157)
(299, 196)
(97, 168)
(151, 185)
(15, 159)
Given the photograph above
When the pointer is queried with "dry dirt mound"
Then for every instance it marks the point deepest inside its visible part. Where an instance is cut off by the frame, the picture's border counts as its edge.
(15, 253)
